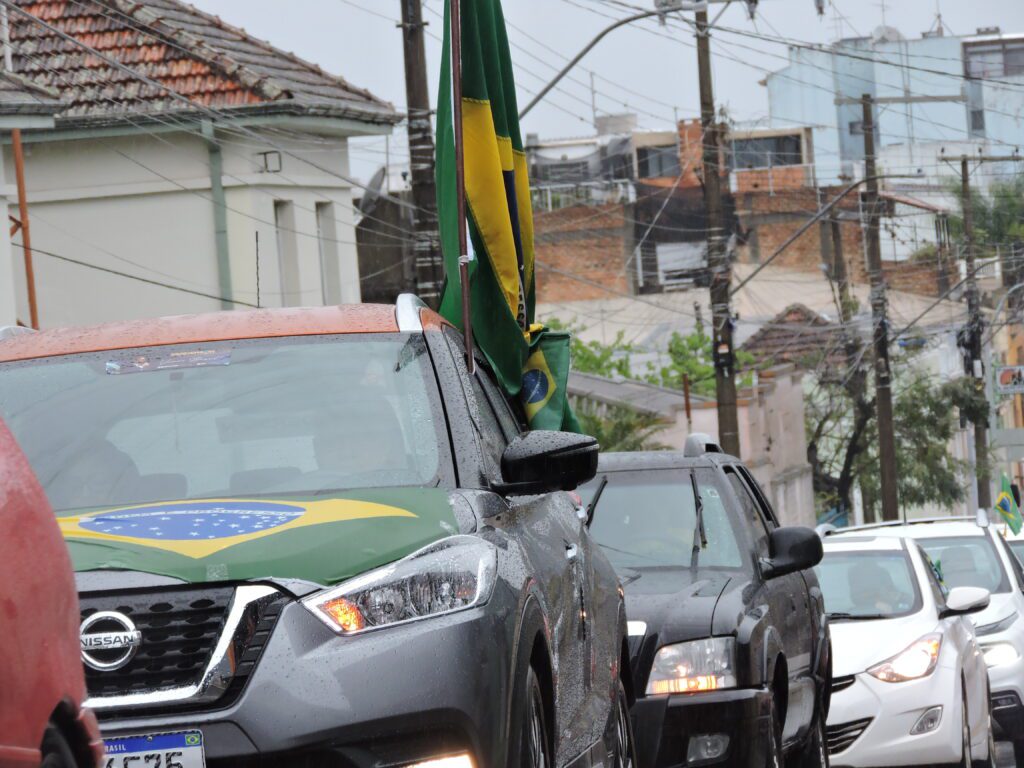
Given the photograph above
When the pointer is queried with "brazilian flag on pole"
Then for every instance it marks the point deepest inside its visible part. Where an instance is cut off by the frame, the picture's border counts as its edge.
(1007, 508)
(528, 360)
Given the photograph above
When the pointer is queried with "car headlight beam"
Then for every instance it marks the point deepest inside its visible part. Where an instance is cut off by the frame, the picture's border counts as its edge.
(998, 654)
(916, 661)
(695, 666)
(450, 575)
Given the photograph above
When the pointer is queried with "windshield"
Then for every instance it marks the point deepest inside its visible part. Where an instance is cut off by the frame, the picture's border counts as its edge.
(302, 415)
(873, 584)
(967, 561)
(1017, 547)
(647, 519)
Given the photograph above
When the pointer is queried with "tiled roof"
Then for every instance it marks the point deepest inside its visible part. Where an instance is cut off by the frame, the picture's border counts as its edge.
(200, 57)
(19, 96)
(797, 335)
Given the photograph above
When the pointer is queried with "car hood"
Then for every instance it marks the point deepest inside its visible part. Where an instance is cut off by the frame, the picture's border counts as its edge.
(322, 539)
(858, 645)
(676, 604)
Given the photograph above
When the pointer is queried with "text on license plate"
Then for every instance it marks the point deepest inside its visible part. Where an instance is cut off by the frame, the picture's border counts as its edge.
(182, 749)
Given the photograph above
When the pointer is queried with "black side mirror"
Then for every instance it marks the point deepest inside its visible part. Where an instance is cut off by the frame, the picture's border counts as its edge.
(792, 548)
(542, 461)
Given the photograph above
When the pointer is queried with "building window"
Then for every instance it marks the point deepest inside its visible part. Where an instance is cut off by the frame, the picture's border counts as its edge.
(856, 127)
(327, 239)
(655, 162)
(1001, 58)
(287, 253)
(767, 151)
(978, 122)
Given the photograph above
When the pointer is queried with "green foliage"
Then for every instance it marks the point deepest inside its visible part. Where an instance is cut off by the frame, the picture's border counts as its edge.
(608, 360)
(620, 429)
(998, 217)
(692, 355)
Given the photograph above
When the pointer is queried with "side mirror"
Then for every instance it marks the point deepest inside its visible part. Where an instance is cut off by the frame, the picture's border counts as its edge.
(542, 461)
(964, 600)
(792, 548)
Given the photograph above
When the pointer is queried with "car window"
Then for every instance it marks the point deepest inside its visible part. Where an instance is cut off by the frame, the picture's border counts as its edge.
(939, 589)
(498, 402)
(762, 499)
(751, 513)
(967, 561)
(1015, 563)
(647, 518)
(862, 584)
(1017, 547)
(492, 437)
(232, 419)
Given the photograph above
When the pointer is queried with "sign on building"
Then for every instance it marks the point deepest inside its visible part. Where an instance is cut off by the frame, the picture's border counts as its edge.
(1010, 380)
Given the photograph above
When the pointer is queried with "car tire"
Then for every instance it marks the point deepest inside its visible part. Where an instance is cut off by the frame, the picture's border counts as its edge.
(530, 740)
(965, 737)
(1018, 753)
(815, 751)
(56, 752)
(624, 755)
(773, 753)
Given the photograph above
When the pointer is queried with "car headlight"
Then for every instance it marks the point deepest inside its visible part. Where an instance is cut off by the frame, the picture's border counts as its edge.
(998, 654)
(699, 665)
(917, 661)
(447, 576)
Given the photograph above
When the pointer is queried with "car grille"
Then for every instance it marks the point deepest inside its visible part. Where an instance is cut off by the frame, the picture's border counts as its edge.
(841, 737)
(179, 632)
(842, 683)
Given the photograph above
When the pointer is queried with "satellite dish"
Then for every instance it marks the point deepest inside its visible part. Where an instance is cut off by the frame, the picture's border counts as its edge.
(372, 192)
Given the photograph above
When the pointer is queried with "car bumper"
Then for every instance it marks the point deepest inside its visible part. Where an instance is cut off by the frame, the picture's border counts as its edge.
(1007, 684)
(869, 723)
(384, 698)
(664, 726)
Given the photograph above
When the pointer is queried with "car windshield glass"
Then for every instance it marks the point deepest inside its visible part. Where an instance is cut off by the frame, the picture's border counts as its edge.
(967, 561)
(1018, 549)
(872, 584)
(303, 415)
(647, 519)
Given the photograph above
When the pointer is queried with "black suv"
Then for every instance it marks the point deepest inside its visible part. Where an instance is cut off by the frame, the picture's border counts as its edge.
(728, 637)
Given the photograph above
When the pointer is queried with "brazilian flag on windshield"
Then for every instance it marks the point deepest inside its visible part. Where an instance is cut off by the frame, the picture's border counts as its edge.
(529, 361)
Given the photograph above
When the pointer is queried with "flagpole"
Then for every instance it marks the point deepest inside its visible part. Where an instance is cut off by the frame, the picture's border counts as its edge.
(460, 179)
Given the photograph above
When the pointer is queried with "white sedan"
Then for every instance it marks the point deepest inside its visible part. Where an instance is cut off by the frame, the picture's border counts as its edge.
(909, 683)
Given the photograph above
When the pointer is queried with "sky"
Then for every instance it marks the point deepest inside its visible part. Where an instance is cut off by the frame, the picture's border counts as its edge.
(642, 68)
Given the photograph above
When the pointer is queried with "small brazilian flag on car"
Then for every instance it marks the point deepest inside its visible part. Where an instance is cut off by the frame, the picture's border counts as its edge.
(1006, 506)
(528, 360)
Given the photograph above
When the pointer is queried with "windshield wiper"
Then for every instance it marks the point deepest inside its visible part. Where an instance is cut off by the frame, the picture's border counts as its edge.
(597, 497)
(700, 537)
(841, 616)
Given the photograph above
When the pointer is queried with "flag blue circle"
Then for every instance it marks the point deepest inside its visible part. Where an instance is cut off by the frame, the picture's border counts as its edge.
(198, 521)
(535, 386)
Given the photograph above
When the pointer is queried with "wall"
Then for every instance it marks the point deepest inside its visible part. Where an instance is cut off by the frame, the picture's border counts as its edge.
(142, 205)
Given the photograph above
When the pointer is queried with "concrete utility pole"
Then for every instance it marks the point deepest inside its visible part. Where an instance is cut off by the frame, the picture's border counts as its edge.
(429, 268)
(721, 272)
(880, 324)
(971, 341)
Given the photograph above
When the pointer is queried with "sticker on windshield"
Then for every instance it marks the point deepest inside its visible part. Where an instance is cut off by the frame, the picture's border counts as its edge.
(168, 361)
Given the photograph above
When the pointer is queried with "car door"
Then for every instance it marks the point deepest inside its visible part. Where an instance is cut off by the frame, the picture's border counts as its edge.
(788, 604)
(547, 527)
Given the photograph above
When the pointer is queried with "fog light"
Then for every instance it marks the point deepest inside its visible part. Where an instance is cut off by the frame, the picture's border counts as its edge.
(927, 722)
(456, 761)
(707, 748)
(1000, 653)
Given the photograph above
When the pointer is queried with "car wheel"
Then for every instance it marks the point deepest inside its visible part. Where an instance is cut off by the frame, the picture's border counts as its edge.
(56, 750)
(815, 752)
(774, 751)
(625, 746)
(534, 744)
(1018, 753)
(965, 730)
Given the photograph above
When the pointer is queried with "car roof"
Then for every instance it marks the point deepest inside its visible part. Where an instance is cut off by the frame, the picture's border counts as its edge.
(213, 326)
(643, 460)
(864, 543)
(916, 529)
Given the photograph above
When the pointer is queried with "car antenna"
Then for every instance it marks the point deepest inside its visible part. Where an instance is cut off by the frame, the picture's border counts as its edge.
(700, 537)
(597, 497)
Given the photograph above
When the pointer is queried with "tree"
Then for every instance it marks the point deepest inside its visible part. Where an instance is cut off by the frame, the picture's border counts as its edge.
(691, 355)
(842, 438)
(620, 429)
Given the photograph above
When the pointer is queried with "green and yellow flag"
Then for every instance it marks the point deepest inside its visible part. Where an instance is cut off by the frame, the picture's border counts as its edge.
(500, 219)
(1006, 506)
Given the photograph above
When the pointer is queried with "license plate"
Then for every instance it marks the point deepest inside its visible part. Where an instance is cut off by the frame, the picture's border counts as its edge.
(182, 749)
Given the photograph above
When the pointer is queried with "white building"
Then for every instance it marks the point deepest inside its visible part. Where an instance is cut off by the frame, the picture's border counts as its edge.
(192, 167)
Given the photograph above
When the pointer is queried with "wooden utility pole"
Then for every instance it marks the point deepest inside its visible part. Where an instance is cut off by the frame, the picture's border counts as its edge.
(879, 323)
(721, 272)
(971, 341)
(429, 269)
